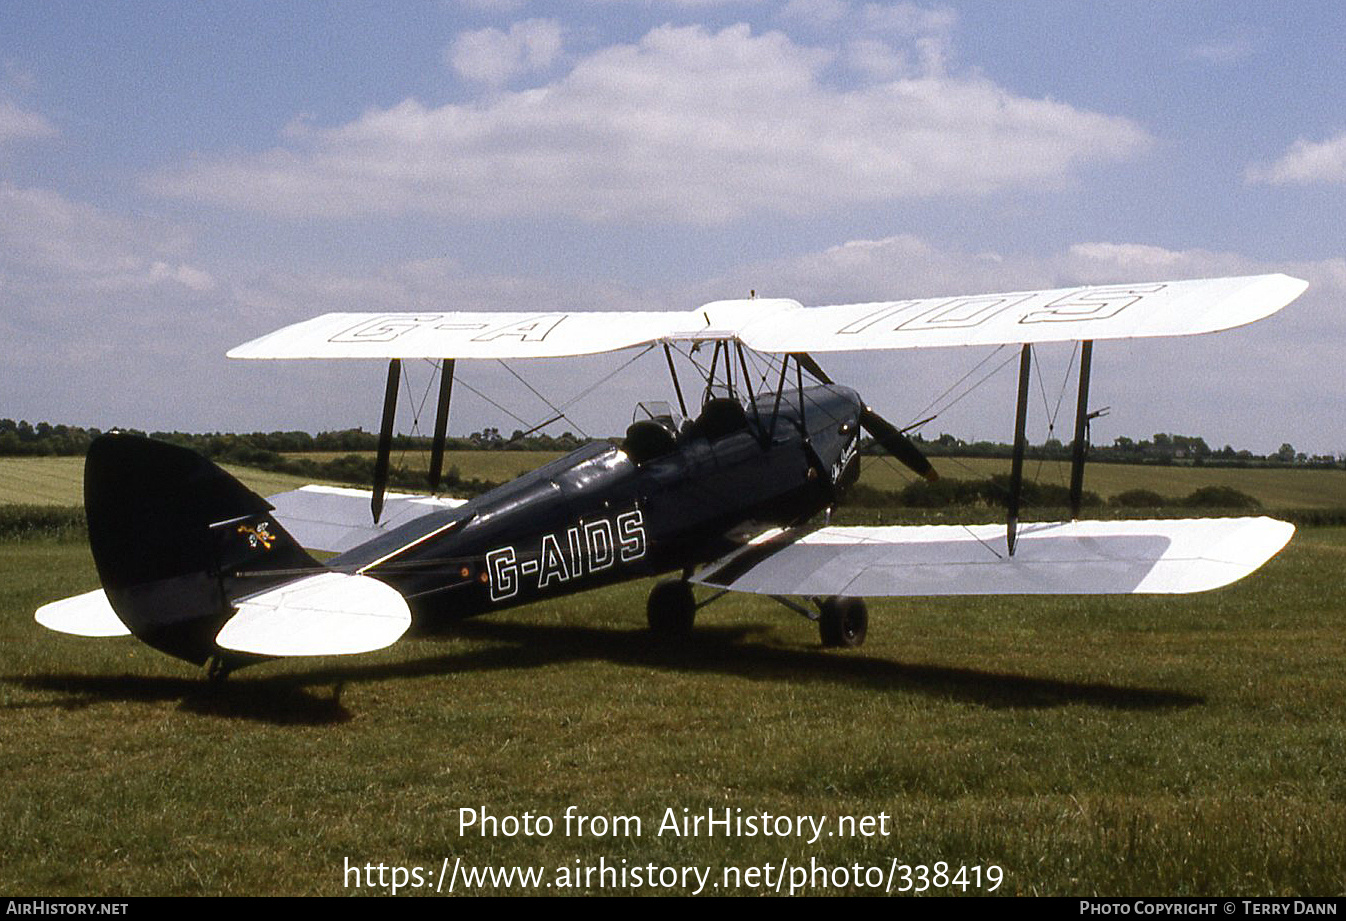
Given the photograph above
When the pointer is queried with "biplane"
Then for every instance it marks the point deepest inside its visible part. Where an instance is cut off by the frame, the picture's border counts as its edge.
(731, 492)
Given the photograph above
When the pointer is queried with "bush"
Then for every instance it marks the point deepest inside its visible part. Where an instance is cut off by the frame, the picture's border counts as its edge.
(1138, 498)
(1219, 497)
(18, 522)
(996, 491)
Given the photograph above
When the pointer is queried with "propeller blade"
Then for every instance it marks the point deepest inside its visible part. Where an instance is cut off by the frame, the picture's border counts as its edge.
(897, 444)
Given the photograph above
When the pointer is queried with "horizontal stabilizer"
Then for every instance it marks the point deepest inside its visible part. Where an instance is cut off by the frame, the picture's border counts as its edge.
(89, 614)
(330, 614)
(335, 519)
(1058, 558)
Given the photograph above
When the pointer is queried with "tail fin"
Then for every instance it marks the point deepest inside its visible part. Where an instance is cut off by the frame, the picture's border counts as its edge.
(176, 540)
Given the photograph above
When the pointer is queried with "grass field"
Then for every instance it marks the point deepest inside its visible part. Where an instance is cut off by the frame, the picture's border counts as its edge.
(58, 480)
(1275, 488)
(1134, 745)
(494, 466)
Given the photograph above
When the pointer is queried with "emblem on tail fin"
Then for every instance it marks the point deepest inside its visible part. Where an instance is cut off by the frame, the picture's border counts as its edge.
(258, 536)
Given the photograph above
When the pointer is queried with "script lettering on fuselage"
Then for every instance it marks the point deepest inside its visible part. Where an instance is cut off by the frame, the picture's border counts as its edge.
(556, 558)
(847, 455)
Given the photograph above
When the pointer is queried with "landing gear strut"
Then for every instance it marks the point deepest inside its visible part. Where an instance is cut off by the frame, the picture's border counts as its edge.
(218, 668)
(671, 609)
(842, 621)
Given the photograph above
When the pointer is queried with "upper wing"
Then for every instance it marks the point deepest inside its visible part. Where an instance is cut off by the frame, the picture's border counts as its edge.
(1176, 308)
(778, 325)
(1078, 557)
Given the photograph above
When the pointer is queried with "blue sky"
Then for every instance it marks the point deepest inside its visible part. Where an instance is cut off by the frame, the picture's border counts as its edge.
(178, 178)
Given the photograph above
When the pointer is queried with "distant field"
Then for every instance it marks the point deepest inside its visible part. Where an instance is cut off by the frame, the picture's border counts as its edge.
(58, 480)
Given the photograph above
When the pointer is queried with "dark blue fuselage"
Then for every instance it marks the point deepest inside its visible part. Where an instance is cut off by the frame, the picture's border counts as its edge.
(662, 500)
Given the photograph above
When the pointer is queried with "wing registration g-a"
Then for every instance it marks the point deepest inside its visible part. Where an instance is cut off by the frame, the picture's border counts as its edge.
(728, 492)
(779, 325)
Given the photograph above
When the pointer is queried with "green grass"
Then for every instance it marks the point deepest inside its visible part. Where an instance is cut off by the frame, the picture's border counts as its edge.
(1131, 745)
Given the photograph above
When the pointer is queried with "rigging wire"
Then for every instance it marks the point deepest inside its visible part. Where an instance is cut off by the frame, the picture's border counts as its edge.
(922, 413)
(558, 410)
(458, 380)
(415, 408)
(552, 406)
(1054, 413)
(603, 380)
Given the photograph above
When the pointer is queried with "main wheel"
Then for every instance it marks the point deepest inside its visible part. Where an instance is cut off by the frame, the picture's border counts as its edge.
(843, 621)
(671, 609)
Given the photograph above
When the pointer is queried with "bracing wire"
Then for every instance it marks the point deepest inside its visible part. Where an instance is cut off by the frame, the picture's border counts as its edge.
(931, 405)
(1054, 413)
(559, 412)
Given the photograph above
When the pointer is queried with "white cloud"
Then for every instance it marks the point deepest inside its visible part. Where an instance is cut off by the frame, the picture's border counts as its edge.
(495, 57)
(877, 60)
(1126, 255)
(1306, 162)
(47, 239)
(17, 124)
(110, 320)
(687, 125)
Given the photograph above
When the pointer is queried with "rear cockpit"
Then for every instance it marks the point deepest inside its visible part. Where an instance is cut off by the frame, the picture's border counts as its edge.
(653, 431)
(658, 430)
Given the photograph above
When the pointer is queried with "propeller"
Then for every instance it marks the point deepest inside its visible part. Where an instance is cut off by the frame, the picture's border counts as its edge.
(897, 444)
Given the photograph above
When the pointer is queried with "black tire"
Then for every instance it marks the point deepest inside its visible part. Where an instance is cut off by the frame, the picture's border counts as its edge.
(671, 609)
(843, 621)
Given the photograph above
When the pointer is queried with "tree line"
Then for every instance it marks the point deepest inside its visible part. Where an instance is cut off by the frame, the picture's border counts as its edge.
(1162, 449)
(21, 438)
(18, 439)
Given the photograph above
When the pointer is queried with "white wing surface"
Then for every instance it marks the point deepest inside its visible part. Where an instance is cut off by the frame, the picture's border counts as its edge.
(1120, 311)
(89, 614)
(1177, 308)
(1078, 557)
(329, 614)
(335, 518)
(463, 335)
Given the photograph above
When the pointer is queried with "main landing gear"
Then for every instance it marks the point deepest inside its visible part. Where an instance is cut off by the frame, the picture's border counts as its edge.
(218, 668)
(842, 621)
(671, 610)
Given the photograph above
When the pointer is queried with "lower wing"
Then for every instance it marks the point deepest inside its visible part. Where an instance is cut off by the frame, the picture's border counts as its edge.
(1058, 558)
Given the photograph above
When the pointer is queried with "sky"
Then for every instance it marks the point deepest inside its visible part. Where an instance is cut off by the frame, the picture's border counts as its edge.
(176, 179)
